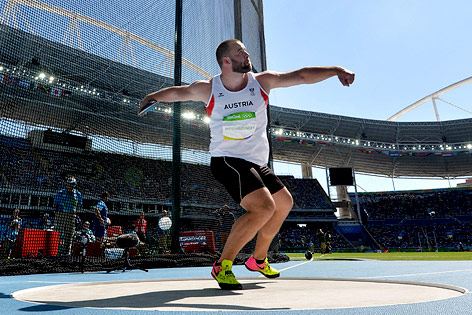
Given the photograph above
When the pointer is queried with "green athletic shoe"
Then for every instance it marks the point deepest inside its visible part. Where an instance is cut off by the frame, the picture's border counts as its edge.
(263, 268)
(224, 276)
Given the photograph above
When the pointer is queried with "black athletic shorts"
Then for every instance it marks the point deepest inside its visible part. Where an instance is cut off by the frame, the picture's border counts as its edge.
(241, 177)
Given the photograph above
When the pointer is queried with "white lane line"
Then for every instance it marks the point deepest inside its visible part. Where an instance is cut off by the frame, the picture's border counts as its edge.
(297, 265)
(50, 282)
(419, 274)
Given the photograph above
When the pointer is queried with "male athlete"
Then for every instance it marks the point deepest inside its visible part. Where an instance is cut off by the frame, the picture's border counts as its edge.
(237, 106)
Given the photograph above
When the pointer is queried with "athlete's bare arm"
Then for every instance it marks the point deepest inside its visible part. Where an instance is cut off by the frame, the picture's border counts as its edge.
(308, 75)
(199, 91)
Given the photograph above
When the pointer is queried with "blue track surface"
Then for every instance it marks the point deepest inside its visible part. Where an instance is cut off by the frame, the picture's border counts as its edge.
(457, 273)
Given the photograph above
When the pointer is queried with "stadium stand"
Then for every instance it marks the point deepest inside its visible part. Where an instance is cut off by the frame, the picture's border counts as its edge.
(404, 220)
(417, 204)
(128, 178)
(433, 220)
(301, 238)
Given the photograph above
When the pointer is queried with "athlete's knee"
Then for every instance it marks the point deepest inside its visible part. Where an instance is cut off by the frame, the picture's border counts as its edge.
(267, 207)
(284, 201)
(264, 206)
(288, 203)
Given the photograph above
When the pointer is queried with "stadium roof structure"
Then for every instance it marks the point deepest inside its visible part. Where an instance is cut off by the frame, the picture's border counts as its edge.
(389, 148)
(416, 149)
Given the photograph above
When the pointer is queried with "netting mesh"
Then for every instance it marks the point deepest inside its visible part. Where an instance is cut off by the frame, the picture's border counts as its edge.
(72, 74)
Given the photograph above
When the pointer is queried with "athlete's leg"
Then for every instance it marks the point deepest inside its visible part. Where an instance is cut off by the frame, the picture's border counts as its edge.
(260, 207)
(283, 205)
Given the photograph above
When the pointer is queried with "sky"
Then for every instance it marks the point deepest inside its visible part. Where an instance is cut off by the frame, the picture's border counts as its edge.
(401, 51)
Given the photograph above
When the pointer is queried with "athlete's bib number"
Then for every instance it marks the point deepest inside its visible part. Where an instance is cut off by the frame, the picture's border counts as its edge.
(239, 126)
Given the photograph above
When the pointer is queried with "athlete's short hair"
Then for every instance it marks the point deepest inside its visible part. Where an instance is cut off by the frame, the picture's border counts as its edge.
(222, 50)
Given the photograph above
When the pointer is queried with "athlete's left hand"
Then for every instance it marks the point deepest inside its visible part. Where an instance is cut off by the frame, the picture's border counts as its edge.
(345, 76)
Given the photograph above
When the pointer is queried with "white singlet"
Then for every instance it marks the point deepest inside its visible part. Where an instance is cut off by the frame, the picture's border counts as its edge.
(238, 121)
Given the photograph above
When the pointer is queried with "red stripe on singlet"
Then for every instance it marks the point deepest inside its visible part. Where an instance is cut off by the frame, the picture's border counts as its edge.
(265, 96)
(210, 106)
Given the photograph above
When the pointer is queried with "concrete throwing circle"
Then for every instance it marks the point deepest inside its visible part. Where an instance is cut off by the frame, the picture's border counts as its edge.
(258, 294)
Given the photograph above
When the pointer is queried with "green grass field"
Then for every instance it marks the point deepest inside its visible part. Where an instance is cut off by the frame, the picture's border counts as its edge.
(387, 256)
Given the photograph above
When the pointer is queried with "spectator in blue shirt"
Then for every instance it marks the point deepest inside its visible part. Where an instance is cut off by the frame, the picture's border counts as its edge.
(12, 231)
(66, 204)
(16, 217)
(100, 220)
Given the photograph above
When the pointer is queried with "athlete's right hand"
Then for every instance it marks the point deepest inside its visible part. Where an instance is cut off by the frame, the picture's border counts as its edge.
(146, 105)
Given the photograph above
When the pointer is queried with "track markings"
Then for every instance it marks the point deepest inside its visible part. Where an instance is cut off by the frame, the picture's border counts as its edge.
(419, 274)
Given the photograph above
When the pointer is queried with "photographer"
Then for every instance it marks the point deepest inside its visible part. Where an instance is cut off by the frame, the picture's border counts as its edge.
(322, 240)
(45, 223)
(226, 220)
(85, 235)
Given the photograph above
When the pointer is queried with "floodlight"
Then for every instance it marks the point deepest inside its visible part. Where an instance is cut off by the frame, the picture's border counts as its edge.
(188, 115)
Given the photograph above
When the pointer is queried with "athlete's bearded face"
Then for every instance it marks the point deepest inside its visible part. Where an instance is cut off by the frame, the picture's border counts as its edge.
(240, 61)
(241, 66)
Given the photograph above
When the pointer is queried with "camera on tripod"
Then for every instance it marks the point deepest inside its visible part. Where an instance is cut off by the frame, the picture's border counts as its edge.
(83, 237)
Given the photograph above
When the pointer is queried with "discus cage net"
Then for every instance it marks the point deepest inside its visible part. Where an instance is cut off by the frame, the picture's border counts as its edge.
(72, 75)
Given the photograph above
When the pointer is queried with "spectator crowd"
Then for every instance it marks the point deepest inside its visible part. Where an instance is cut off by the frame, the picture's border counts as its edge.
(442, 216)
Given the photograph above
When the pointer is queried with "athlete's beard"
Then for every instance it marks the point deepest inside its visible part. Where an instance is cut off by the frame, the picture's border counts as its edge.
(240, 67)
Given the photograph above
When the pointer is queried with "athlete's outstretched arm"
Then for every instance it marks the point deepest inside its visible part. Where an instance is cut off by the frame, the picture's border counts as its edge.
(199, 91)
(308, 75)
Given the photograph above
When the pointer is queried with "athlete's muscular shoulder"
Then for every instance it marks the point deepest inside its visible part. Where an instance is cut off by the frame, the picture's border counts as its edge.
(199, 91)
(267, 79)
